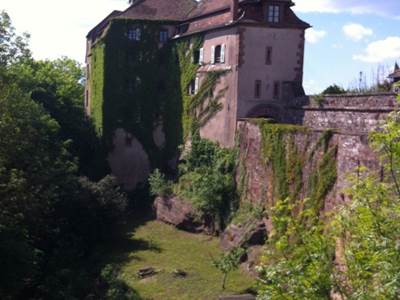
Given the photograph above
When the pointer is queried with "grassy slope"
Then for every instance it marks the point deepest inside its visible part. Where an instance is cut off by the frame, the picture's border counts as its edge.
(167, 249)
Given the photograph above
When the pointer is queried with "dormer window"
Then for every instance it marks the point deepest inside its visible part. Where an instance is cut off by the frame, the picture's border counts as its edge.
(273, 13)
(134, 34)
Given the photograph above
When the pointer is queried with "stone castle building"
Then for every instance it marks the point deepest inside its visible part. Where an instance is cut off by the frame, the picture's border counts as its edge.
(258, 43)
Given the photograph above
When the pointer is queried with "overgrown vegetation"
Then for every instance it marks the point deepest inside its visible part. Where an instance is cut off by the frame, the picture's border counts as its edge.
(139, 102)
(51, 219)
(299, 256)
(206, 179)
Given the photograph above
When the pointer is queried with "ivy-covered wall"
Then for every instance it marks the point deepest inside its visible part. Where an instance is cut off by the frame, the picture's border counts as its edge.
(285, 162)
(141, 85)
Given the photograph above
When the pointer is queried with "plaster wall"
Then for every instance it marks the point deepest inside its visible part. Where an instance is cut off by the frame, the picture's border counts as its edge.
(286, 63)
(222, 127)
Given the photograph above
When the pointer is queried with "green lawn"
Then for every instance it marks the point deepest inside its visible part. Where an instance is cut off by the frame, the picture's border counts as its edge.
(165, 248)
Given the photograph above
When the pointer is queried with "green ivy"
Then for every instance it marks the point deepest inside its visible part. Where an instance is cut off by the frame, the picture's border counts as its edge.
(140, 85)
(298, 261)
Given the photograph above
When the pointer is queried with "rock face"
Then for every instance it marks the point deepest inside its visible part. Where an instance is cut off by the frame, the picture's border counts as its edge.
(253, 232)
(181, 214)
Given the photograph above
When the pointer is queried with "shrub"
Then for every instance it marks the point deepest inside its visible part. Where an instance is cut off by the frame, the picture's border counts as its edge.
(159, 186)
(228, 262)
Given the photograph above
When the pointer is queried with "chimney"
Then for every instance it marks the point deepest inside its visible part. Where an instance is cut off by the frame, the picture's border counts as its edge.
(234, 9)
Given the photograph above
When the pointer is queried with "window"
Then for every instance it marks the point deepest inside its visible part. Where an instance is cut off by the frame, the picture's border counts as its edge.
(194, 86)
(163, 36)
(218, 54)
(134, 34)
(257, 89)
(268, 56)
(273, 13)
(198, 56)
(276, 90)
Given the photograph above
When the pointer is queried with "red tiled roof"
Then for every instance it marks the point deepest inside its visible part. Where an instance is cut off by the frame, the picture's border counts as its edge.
(159, 10)
(209, 6)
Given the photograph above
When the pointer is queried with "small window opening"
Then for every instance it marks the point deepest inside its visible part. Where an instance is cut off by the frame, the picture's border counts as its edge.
(276, 90)
(192, 87)
(163, 36)
(218, 52)
(268, 56)
(134, 34)
(196, 57)
(257, 89)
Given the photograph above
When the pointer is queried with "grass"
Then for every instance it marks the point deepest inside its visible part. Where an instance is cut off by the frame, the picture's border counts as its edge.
(165, 248)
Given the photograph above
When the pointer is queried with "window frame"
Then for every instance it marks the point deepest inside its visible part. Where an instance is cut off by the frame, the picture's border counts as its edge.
(273, 13)
(217, 54)
(134, 34)
(163, 36)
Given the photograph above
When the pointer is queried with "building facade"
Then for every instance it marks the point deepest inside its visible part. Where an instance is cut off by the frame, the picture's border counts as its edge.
(255, 46)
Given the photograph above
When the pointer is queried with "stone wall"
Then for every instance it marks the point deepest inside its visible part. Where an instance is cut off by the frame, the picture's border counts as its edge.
(352, 151)
(350, 113)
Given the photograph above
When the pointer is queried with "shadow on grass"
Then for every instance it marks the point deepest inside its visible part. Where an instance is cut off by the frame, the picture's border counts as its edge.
(118, 250)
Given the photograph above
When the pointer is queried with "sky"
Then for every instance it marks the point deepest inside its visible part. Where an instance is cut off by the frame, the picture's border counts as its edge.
(347, 37)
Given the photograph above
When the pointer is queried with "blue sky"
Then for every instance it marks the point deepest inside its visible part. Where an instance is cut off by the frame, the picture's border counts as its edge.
(348, 36)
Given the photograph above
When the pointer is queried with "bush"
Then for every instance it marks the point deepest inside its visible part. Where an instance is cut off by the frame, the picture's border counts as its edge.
(207, 178)
(159, 185)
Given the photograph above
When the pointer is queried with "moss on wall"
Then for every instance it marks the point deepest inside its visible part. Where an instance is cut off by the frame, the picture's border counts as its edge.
(96, 82)
(287, 163)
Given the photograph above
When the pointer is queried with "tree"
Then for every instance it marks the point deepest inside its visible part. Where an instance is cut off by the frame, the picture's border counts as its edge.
(368, 225)
(57, 86)
(334, 89)
(228, 262)
(35, 172)
(13, 47)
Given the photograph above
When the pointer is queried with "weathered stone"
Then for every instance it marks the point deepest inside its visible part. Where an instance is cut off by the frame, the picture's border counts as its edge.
(253, 232)
(181, 214)
(253, 259)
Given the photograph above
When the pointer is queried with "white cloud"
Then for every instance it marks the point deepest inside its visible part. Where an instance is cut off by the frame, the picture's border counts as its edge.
(313, 36)
(383, 8)
(381, 50)
(59, 27)
(356, 32)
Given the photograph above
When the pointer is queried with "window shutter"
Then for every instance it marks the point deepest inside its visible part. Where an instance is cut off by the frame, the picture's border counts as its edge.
(138, 34)
(196, 85)
(213, 54)
(201, 56)
(223, 53)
